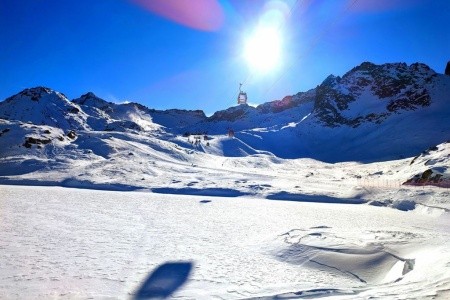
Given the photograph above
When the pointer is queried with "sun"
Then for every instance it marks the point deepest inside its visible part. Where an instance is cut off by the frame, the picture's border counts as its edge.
(263, 49)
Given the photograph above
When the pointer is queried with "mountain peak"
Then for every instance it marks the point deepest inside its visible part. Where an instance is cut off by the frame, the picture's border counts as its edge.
(331, 80)
(39, 89)
(389, 69)
(36, 93)
(43, 106)
(90, 99)
(89, 95)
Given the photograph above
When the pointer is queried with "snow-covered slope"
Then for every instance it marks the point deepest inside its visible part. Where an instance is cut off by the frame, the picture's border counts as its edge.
(219, 165)
(109, 116)
(176, 119)
(43, 106)
(104, 115)
(373, 113)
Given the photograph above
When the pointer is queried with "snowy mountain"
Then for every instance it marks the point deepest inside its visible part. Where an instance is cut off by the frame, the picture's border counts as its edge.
(367, 93)
(363, 115)
(108, 116)
(371, 113)
(370, 93)
(43, 106)
(360, 166)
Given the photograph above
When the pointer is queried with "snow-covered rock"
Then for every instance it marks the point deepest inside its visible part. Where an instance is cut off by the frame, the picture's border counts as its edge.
(432, 167)
(370, 93)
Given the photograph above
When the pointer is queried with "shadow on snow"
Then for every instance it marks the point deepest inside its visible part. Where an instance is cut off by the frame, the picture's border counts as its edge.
(164, 280)
(220, 192)
(313, 198)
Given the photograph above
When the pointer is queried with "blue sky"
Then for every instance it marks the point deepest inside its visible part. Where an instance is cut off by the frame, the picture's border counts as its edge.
(124, 51)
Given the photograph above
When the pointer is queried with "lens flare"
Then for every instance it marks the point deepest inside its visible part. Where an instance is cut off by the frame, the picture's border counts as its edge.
(206, 15)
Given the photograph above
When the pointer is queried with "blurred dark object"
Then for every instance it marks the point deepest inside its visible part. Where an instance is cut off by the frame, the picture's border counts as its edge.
(164, 281)
(447, 69)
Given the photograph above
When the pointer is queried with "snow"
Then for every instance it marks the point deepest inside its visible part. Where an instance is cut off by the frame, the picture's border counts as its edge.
(74, 243)
(249, 225)
(98, 199)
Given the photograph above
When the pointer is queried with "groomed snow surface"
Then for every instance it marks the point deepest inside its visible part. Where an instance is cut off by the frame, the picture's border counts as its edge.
(73, 243)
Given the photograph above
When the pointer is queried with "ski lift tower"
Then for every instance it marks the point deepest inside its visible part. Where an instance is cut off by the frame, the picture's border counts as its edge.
(242, 97)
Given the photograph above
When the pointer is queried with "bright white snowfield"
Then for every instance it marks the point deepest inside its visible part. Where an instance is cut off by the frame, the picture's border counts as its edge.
(73, 243)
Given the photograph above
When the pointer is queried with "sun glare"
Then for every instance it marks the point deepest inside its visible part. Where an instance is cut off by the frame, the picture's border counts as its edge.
(263, 49)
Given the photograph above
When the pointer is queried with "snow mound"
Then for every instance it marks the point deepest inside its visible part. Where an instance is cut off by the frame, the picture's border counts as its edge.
(324, 250)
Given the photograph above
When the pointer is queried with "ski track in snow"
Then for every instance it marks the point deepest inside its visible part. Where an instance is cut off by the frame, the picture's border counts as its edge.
(75, 243)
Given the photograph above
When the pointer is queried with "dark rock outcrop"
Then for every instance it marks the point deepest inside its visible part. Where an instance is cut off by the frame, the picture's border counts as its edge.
(4, 131)
(428, 177)
(72, 134)
(35, 141)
